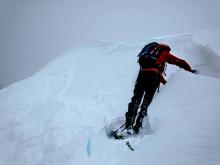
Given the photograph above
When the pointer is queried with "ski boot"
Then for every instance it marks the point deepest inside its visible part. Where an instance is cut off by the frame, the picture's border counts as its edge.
(139, 122)
(131, 114)
(129, 121)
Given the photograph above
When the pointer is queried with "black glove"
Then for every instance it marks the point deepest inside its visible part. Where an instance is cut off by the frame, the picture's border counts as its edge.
(195, 71)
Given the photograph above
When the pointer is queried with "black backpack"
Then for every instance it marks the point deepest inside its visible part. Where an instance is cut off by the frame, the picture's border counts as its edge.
(149, 55)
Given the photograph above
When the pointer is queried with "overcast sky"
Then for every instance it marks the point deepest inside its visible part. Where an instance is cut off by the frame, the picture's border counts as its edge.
(33, 32)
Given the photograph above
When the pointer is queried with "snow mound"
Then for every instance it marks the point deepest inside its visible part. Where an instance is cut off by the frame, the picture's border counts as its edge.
(58, 115)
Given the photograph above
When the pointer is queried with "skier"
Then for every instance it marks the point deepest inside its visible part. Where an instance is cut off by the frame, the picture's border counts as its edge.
(148, 81)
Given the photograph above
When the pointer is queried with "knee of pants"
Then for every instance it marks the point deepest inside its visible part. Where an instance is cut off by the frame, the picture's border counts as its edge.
(135, 101)
(143, 112)
(146, 102)
(132, 111)
(144, 108)
(134, 104)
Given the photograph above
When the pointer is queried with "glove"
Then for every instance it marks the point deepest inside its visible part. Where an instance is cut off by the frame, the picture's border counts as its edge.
(195, 71)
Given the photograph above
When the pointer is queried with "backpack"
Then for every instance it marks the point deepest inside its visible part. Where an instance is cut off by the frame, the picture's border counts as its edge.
(148, 56)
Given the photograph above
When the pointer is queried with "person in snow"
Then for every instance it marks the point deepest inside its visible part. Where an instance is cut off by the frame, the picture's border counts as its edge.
(149, 78)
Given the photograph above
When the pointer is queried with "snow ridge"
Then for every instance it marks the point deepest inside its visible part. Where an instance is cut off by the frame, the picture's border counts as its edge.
(58, 115)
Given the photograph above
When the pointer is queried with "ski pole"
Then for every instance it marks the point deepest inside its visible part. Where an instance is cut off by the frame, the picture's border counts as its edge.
(120, 128)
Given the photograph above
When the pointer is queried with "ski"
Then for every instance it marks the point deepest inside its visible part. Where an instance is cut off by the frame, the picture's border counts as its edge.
(123, 135)
(129, 146)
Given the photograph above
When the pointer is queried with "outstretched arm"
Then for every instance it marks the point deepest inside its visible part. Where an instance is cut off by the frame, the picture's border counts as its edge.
(171, 59)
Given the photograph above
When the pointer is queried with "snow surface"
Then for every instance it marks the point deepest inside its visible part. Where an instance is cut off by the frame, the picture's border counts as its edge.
(58, 116)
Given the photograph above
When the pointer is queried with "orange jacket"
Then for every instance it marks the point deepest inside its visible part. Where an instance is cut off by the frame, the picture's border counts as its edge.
(164, 57)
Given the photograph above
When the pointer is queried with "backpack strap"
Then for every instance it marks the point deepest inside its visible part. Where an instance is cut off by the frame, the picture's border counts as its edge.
(156, 49)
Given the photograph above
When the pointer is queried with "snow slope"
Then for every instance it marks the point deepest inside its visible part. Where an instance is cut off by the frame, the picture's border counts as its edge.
(58, 115)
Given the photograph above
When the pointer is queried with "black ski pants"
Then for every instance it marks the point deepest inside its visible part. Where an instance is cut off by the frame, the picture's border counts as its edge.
(146, 85)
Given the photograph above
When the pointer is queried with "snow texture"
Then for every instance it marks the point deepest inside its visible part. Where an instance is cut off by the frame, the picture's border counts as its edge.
(58, 116)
